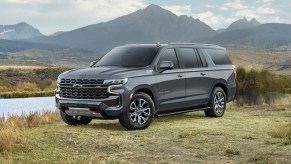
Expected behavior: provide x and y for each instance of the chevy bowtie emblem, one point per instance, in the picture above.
(77, 86)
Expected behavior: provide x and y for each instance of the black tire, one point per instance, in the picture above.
(217, 103)
(74, 120)
(140, 113)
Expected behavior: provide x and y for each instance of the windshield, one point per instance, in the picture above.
(129, 57)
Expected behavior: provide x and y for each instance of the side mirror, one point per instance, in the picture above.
(92, 63)
(166, 65)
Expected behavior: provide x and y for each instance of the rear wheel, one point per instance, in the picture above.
(74, 120)
(217, 103)
(140, 113)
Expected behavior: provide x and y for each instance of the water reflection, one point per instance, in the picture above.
(18, 106)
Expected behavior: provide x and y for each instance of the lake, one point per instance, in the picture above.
(18, 106)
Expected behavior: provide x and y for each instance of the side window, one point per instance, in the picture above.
(190, 58)
(219, 57)
(169, 55)
(202, 57)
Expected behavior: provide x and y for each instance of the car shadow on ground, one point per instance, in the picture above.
(115, 125)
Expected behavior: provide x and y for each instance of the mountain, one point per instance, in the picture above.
(45, 53)
(265, 36)
(18, 31)
(242, 24)
(12, 46)
(149, 25)
(220, 30)
(57, 33)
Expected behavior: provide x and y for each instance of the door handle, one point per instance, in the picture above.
(203, 74)
(180, 75)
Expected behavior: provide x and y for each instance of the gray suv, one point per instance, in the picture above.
(134, 83)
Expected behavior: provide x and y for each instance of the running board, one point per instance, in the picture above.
(181, 112)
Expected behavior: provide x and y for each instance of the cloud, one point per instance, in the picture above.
(264, 1)
(255, 12)
(212, 19)
(56, 15)
(179, 10)
(233, 4)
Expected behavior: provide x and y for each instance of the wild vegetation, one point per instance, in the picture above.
(243, 135)
(261, 81)
(11, 130)
(38, 80)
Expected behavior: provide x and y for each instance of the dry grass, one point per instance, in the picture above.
(283, 131)
(24, 67)
(251, 59)
(10, 137)
(241, 136)
(11, 130)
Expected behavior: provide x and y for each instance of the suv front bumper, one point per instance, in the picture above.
(98, 108)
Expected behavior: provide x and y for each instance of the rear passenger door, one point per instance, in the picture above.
(196, 76)
(170, 83)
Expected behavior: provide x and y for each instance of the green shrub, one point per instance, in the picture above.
(26, 94)
(261, 81)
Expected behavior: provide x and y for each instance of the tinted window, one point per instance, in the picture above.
(169, 55)
(202, 57)
(219, 57)
(189, 57)
(128, 57)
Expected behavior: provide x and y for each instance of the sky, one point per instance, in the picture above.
(50, 16)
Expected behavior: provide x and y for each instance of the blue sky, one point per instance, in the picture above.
(50, 16)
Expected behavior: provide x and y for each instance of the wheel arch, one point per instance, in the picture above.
(222, 84)
(146, 89)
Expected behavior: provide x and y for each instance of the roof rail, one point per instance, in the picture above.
(182, 43)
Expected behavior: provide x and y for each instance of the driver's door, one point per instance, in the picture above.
(170, 84)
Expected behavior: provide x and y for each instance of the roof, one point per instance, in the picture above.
(175, 44)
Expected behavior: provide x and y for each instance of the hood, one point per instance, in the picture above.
(104, 73)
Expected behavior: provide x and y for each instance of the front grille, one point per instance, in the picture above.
(83, 89)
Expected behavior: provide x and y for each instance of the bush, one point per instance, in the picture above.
(263, 81)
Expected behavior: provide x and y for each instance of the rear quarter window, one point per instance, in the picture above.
(219, 57)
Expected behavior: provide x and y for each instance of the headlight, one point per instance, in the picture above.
(59, 80)
(116, 81)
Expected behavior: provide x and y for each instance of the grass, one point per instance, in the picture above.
(243, 135)
(26, 94)
(282, 131)
(11, 135)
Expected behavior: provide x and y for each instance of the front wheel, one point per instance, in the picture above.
(74, 120)
(140, 113)
(217, 103)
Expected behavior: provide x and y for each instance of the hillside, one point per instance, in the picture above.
(18, 31)
(150, 25)
(267, 36)
(46, 53)
(243, 24)
(278, 62)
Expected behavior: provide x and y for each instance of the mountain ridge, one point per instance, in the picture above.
(20, 30)
(148, 25)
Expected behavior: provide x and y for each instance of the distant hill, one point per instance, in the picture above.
(8, 46)
(149, 25)
(240, 24)
(46, 53)
(18, 31)
(266, 36)
(57, 33)
(243, 24)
